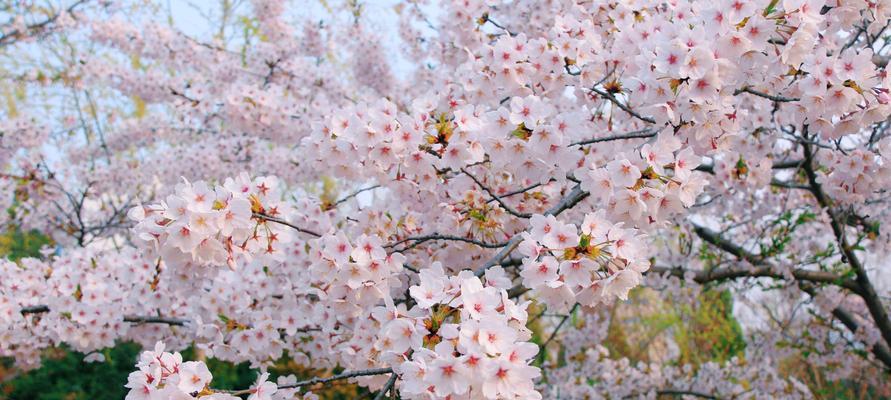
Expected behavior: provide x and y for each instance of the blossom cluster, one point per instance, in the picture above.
(86, 296)
(563, 264)
(851, 178)
(216, 225)
(654, 186)
(464, 339)
(164, 375)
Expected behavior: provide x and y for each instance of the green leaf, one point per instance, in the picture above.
(770, 7)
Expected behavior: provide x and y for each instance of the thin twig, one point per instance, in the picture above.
(614, 100)
(286, 223)
(354, 194)
(42, 308)
(639, 134)
(518, 191)
(314, 381)
(544, 345)
(495, 197)
(426, 238)
(345, 375)
(778, 99)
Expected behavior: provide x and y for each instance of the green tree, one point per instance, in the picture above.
(16, 244)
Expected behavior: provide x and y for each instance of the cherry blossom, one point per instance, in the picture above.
(414, 208)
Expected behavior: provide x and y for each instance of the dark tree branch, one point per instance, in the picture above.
(345, 375)
(518, 191)
(867, 291)
(720, 274)
(156, 320)
(790, 164)
(639, 134)
(316, 381)
(421, 239)
(138, 319)
(860, 286)
(38, 309)
(387, 387)
(35, 309)
(880, 350)
(778, 99)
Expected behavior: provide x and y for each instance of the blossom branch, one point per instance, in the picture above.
(38, 28)
(575, 196)
(495, 197)
(710, 169)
